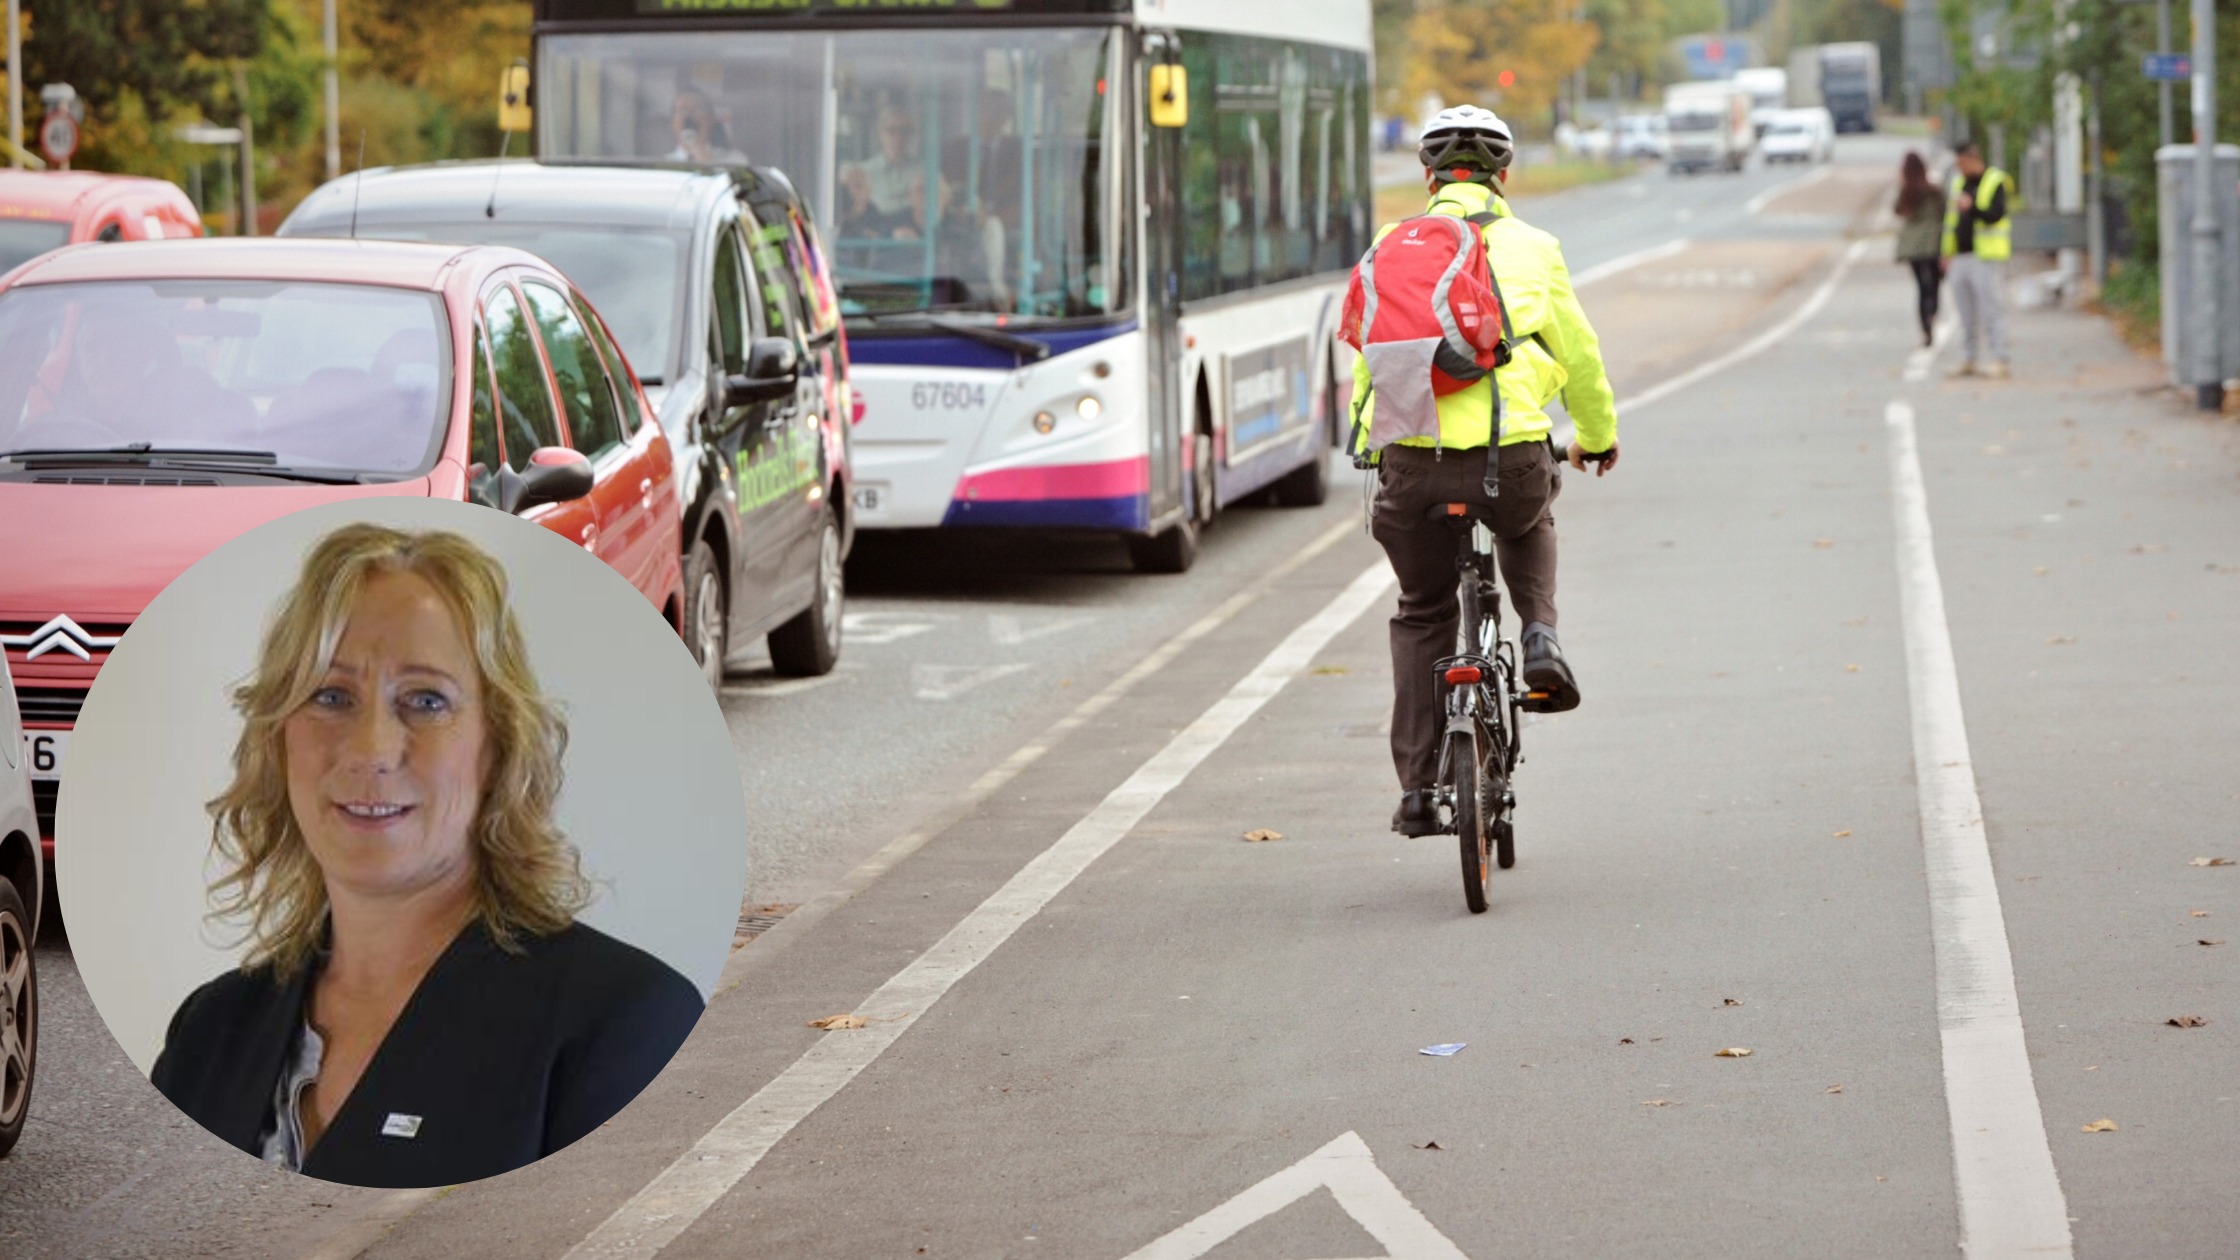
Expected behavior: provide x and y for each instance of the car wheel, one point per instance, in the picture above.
(19, 1016)
(707, 615)
(809, 644)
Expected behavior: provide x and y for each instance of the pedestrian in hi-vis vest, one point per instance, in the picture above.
(1977, 240)
(1456, 415)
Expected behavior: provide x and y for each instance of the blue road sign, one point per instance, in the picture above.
(2166, 67)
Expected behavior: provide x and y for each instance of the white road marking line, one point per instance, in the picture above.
(1757, 344)
(1627, 262)
(867, 872)
(947, 682)
(2010, 1197)
(870, 629)
(669, 1204)
(1355, 1181)
(1764, 199)
(1920, 361)
(1011, 629)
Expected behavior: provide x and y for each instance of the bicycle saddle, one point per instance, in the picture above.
(1459, 513)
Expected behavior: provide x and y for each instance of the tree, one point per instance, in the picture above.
(138, 65)
(1510, 55)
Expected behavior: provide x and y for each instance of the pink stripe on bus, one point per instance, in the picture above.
(1116, 479)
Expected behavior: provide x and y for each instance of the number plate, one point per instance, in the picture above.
(870, 497)
(42, 751)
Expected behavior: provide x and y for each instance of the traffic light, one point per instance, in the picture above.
(1507, 78)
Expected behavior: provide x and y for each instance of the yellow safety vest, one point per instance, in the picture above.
(1994, 241)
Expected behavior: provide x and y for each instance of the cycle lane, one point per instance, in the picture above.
(1195, 1012)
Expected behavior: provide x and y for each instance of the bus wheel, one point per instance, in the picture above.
(1171, 550)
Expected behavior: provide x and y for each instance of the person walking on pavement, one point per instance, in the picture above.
(1920, 211)
(1466, 153)
(1977, 241)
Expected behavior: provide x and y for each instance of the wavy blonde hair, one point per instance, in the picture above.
(528, 877)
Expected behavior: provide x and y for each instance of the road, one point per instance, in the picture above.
(1896, 688)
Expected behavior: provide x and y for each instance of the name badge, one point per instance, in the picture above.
(400, 1125)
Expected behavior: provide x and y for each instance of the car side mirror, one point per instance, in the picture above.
(555, 475)
(773, 369)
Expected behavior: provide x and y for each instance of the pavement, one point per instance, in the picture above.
(1101, 1023)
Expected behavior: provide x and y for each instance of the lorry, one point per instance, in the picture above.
(1851, 84)
(1768, 87)
(1707, 126)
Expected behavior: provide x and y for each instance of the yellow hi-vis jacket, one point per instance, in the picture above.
(1554, 352)
(1994, 241)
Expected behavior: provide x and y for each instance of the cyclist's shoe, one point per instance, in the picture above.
(1418, 814)
(1548, 685)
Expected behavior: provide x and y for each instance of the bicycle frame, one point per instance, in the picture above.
(1484, 709)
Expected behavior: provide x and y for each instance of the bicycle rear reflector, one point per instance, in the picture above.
(1465, 674)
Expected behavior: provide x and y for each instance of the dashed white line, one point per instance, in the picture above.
(1627, 262)
(2011, 1203)
(668, 1205)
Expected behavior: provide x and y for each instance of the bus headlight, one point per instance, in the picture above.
(1089, 408)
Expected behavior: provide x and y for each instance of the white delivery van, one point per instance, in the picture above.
(1768, 87)
(1707, 125)
(1798, 135)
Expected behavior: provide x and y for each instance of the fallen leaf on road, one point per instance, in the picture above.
(1823, 543)
(2100, 1126)
(1625, 1041)
(1259, 834)
(1428, 1146)
(1329, 669)
(1730, 1001)
(1840, 834)
(1658, 1102)
(2094, 1068)
(1881, 1178)
(2198, 914)
(834, 1023)
(2061, 640)
(1850, 669)
(1732, 1052)
(2187, 1021)
(2040, 571)
(1833, 1089)
(2210, 940)
(2211, 862)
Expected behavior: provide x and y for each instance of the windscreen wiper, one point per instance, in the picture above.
(1027, 348)
(182, 459)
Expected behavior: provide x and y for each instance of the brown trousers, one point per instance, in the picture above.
(1410, 482)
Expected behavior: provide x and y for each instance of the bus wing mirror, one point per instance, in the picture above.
(1170, 96)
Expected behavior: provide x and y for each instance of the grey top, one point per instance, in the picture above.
(283, 1142)
(1921, 234)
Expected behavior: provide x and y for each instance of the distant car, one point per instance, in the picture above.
(158, 399)
(1639, 136)
(22, 887)
(714, 280)
(43, 210)
(1798, 135)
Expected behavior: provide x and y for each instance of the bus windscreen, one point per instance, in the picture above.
(948, 172)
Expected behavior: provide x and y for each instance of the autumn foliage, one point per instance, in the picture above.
(1461, 50)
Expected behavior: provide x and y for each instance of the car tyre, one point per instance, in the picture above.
(707, 613)
(19, 1015)
(809, 645)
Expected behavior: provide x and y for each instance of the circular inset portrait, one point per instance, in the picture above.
(401, 842)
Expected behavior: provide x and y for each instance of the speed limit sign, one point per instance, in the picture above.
(58, 137)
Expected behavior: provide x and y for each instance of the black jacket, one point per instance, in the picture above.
(497, 1060)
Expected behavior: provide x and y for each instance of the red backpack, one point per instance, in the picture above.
(1424, 310)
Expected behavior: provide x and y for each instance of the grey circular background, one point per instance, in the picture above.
(652, 798)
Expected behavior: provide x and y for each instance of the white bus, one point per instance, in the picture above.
(1090, 252)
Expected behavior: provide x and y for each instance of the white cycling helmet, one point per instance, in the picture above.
(1463, 140)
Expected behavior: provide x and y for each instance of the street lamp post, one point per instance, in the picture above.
(2208, 369)
(334, 101)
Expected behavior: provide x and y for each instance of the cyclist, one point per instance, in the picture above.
(1466, 152)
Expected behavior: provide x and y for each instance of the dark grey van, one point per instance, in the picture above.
(715, 284)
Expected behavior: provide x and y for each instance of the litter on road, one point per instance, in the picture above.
(1444, 1050)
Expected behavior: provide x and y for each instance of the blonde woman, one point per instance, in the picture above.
(418, 1005)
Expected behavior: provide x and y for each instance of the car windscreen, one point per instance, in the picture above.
(325, 379)
(22, 240)
(632, 276)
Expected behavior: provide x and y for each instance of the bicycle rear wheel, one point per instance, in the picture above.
(1469, 820)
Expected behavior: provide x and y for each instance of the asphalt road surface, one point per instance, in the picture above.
(1907, 725)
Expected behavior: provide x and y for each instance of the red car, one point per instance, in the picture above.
(158, 399)
(43, 210)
